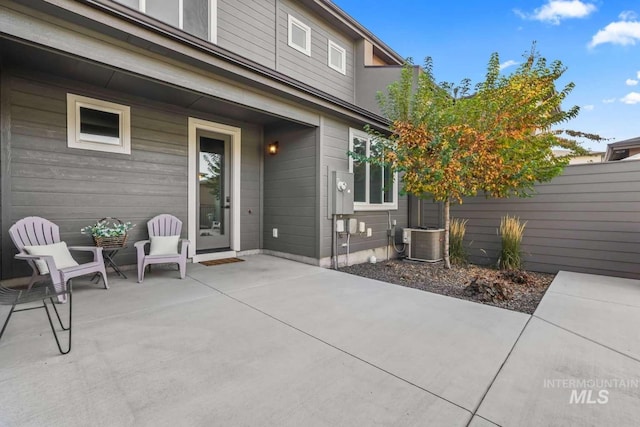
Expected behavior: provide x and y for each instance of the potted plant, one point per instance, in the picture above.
(109, 232)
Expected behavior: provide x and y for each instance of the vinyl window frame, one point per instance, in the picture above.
(291, 21)
(366, 205)
(343, 54)
(213, 17)
(74, 137)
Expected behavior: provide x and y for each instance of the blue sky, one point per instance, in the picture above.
(599, 42)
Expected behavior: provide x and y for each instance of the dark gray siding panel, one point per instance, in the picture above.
(290, 191)
(314, 70)
(250, 188)
(74, 188)
(335, 144)
(248, 28)
(585, 220)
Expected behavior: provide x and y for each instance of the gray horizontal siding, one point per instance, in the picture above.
(314, 70)
(585, 220)
(248, 28)
(335, 144)
(74, 188)
(290, 202)
(250, 187)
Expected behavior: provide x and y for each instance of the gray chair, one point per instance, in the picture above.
(162, 225)
(39, 293)
(36, 231)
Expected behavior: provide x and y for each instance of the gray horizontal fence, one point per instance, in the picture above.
(586, 220)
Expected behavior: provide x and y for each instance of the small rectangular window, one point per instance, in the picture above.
(196, 20)
(375, 187)
(197, 17)
(359, 170)
(337, 57)
(299, 36)
(93, 124)
(165, 10)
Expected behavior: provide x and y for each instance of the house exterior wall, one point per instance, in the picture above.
(290, 202)
(154, 63)
(42, 176)
(248, 28)
(335, 145)
(585, 220)
(314, 69)
(74, 187)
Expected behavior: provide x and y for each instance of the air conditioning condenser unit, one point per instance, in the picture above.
(423, 244)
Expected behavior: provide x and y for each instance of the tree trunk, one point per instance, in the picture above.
(447, 261)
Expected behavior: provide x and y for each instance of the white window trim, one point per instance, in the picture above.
(213, 17)
(366, 206)
(213, 21)
(294, 21)
(343, 53)
(74, 139)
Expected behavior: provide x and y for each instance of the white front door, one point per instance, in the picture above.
(214, 190)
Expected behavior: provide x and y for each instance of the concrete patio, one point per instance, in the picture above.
(273, 342)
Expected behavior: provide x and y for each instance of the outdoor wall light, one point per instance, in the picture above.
(272, 148)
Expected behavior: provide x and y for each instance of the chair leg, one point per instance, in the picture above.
(141, 268)
(182, 265)
(62, 299)
(53, 304)
(103, 272)
(53, 329)
(6, 322)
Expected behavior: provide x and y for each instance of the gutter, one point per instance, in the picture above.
(144, 21)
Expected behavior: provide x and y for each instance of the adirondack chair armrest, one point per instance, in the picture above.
(48, 259)
(97, 251)
(184, 243)
(140, 247)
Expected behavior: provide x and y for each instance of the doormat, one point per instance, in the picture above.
(221, 261)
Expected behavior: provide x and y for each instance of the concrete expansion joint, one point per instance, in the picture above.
(594, 299)
(588, 339)
(335, 347)
(484, 395)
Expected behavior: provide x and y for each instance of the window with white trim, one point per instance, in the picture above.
(196, 17)
(299, 35)
(93, 124)
(337, 57)
(374, 187)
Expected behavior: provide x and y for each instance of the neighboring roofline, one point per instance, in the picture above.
(626, 143)
(621, 145)
(131, 15)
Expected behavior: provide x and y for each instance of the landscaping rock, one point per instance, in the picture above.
(519, 290)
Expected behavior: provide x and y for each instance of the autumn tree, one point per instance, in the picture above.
(449, 141)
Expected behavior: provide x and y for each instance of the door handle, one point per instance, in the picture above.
(227, 207)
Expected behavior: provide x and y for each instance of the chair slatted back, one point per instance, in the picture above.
(164, 225)
(32, 231)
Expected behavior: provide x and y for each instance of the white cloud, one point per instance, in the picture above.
(628, 15)
(555, 11)
(507, 64)
(638, 74)
(588, 107)
(631, 82)
(621, 32)
(609, 100)
(631, 98)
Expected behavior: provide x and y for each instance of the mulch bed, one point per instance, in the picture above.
(519, 291)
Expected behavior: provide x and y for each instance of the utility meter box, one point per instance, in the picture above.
(342, 191)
